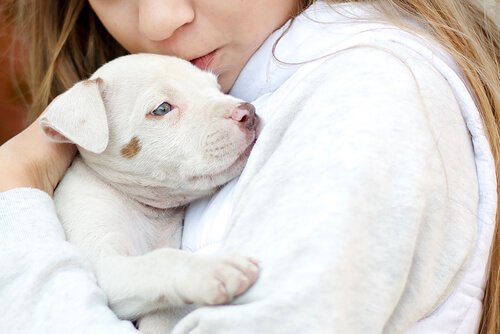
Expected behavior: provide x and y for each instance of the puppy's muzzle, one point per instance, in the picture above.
(245, 115)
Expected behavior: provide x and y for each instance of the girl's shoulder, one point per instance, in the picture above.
(361, 73)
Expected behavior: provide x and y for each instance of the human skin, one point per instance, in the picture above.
(188, 29)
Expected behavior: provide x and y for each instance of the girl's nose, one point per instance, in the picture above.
(159, 19)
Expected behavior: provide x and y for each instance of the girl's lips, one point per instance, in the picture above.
(204, 62)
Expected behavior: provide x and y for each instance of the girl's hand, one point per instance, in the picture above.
(30, 159)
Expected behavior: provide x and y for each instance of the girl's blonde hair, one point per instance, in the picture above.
(66, 43)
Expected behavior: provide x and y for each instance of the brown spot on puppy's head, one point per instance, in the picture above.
(131, 149)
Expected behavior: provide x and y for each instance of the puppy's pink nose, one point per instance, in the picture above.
(244, 114)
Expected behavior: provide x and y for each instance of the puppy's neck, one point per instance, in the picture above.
(150, 196)
(156, 197)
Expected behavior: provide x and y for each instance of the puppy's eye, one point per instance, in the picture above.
(162, 109)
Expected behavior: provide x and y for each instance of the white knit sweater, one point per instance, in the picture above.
(369, 199)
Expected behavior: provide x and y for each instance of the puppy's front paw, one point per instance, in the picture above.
(219, 279)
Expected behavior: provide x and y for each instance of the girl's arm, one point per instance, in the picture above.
(31, 160)
(362, 206)
(46, 286)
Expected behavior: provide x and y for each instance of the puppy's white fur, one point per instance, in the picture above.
(122, 200)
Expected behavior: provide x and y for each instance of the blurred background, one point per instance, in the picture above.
(12, 108)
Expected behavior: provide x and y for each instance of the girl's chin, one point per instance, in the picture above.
(226, 81)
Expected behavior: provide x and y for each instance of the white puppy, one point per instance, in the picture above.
(153, 133)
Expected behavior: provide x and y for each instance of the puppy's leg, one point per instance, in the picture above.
(163, 278)
(110, 233)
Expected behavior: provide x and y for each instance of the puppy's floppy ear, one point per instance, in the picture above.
(78, 116)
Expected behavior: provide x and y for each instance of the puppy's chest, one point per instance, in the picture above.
(154, 228)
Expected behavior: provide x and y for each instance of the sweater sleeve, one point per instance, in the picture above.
(360, 205)
(46, 286)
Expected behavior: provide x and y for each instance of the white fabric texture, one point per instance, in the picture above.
(309, 39)
(46, 286)
(307, 266)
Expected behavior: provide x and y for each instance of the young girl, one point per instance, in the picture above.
(370, 198)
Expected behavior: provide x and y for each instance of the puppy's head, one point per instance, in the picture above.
(155, 121)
